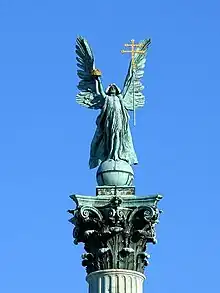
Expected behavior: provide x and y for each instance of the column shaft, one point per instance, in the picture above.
(115, 281)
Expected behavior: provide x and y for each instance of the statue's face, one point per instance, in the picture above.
(112, 90)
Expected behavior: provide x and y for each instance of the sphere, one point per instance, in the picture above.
(115, 173)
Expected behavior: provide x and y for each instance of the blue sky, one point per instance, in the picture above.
(45, 136)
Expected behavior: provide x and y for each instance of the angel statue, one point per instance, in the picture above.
(112, 139)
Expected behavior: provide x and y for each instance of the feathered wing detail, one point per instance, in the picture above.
(132, 95)
(88, 97)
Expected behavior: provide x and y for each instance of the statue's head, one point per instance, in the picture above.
(112, 90)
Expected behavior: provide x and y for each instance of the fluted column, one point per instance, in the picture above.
(115, 281)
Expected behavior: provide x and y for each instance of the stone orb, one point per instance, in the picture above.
(114, 173)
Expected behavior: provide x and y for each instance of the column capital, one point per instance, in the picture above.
(115, 230)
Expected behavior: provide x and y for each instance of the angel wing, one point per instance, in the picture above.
(89, 96)
(132, 95)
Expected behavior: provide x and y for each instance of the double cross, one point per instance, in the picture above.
(133, 51)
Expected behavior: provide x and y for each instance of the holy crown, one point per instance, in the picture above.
(96, 72)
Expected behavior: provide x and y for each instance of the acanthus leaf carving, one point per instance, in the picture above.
(115, 235)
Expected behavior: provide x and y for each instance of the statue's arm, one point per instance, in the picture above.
(99, 87)
(128, 82)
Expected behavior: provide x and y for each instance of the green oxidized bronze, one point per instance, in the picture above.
(115, 226)
(112, 145)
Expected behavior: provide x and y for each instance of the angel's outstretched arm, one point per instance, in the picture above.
(128, 81)
(99, 87)
(132, 91)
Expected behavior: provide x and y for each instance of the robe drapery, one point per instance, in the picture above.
(112, 139)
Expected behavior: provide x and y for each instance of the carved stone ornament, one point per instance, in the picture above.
(115, 230)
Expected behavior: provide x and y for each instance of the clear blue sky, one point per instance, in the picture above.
(45, 136)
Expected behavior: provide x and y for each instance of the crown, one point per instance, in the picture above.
(96, 72)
